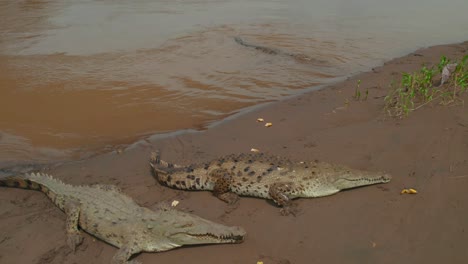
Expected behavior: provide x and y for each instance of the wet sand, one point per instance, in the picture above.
(426, 151)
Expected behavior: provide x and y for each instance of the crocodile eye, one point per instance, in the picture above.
(184, 225)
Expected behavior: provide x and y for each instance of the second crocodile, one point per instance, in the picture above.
(264, 176)
(274, 51)
(105, 212)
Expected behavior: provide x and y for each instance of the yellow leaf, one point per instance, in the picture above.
(268, 124)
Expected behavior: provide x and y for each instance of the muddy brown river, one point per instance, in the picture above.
(81, 77)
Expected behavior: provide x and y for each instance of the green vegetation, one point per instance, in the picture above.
(417, 89)
(357, 92)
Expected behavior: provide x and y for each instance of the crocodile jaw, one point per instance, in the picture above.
(217, 234)
(355, 179)
(170, 228)
(235, 235)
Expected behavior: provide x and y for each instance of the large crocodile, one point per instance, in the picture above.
(264, 176)
(273, 51)
(105, 212)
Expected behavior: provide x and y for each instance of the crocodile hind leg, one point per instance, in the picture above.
(74, 238)
(222, 187)
(278, 192)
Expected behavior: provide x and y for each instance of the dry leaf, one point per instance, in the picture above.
(268, 124)
(259, 262)
(254, 150)
(260, 119)
(410, 191)
(447, 71)
(174, 203)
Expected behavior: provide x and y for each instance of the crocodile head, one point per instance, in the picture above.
(174, 228)
(355, 178)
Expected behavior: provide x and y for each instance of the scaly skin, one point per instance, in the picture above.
(105, 212)
(263, 176)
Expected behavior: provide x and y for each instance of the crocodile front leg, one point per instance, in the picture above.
(279, 193)
(74, 238)
(125, 252)
(222, 187)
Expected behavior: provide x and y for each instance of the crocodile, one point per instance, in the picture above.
(106, 213)
(273, 51)
(264, 49)
(263, 176)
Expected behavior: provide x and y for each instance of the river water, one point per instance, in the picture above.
(78, 77)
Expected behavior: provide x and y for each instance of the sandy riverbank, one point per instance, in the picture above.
(375, 224)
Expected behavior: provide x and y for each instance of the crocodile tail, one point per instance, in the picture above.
(35, 181)
(161, 166)
(162, 170)
(22, 182)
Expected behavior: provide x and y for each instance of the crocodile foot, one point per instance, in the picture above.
(74, 240)
(230, 198)
(289, 210)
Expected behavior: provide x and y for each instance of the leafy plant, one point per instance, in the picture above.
(357, 91)
(417, 89)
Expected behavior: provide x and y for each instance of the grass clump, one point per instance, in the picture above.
(357, 92)
(419, 88)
